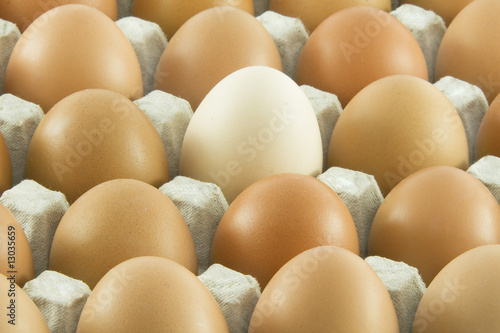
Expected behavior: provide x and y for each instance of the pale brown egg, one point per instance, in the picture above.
(277, 218)
(469, 50)
(68, 49)
(16, 257)
(313, 12)
(210, 46)
(325, 289)
(23, 13)
(396, 126)
(20, 314)
(447, 9)
(170, 15)
(93, 136)
(116, 221)
(465, 296)
(488, 136)
(151, 294)
(355, 47)
(433, 216)
(5, 166)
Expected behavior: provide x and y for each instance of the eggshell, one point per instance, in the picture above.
(254, 123)
(93, 136)
(210, 46)
(23, 13)
(396, 126)
(433, 216)
(488, 136)
(469, 50)
(170, 15)
(15, 252)
(20, 314)
(5, 166)
(282, 215)
(325, 289)
(447, 9)
(356, 46)
(151, 294)
(68, 49)
(116, 221)
(313, 12)
(464, 296)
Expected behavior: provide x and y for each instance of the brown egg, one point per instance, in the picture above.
(313, 12)
(20, 314)
(488, 137)
(447, 9)
(23, 13)
(433, 216)
(465, 296)
(151, 294)
(68, 49)
(5, 166)
(170, 15)
(325, 289)
(353, 48)
(277, 218)
(396, 126)
(474, 35)
(116, 221)
(16, 257)
(93, 136)
(210, 46)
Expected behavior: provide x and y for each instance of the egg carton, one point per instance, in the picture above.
(39, 210)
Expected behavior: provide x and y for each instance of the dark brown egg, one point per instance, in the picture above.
(488, 137)
(5, 166)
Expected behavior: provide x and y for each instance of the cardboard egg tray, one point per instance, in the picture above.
(39, 210)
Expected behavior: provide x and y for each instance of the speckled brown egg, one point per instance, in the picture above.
(15, 252)
(447, 9)
(210, 46)
(325, 289)
(469, 50)
(396, 126)
(93, 136)
(170, 15)
(433, 216)
(356, 46)
(277, 218)
(151, 294)
(313, 12)
(23, 13)
(5, 166)
(68, 49)
(116, 221)
(488, 136)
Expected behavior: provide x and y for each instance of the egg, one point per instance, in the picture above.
(255, 123)
(488, 136)
(325, 289)
(16, 257)
(474, 34)
(151, 294)
(433, 216)
(313, 12)
(23, 13)
(68, 49)
(20, 314)
(93, 136)
(356, 46)
(464, 296)
(115, 221)
(396, 126)
(282, 215)
(172, 14)
(210, 46)
(447, 9)
(5, 166)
